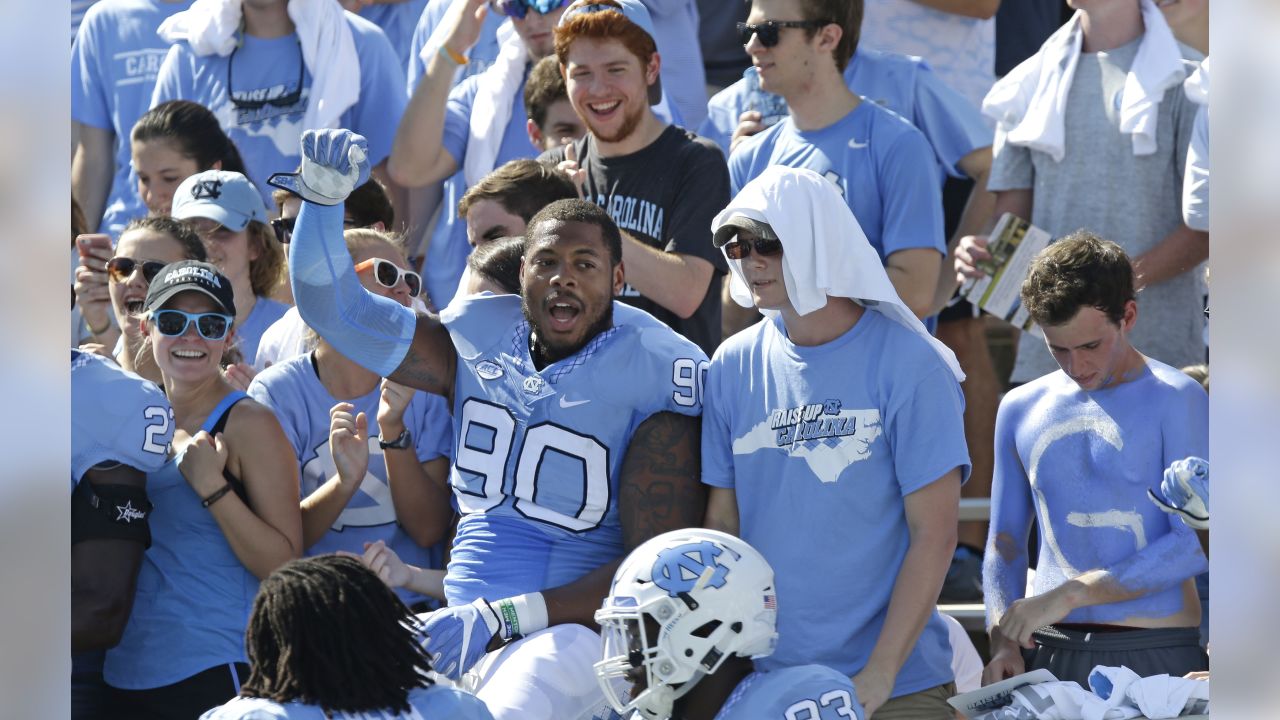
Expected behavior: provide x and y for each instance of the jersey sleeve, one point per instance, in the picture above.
(806, 692)
(1011, 167)
(717, 435)
(703, 192)
(377, 113)
(672, 363)
(89, 103)
(953, 126)
(117, 417)
(912, 199)
(478, 322)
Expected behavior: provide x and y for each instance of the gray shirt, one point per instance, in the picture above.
(1101, 186)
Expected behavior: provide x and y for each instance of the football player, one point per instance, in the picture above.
(687, 612)
(576, 431)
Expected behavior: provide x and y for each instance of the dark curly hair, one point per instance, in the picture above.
(1080, 270)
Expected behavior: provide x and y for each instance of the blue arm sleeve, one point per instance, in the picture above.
(372, 330)
(1004, 568)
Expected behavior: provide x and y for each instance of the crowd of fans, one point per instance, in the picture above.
(792, 191)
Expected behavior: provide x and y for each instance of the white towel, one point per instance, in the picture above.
(493, 105)
(328, 49)
(1109, 699)
(1030, 102)
(825, 251)
(1197, 86)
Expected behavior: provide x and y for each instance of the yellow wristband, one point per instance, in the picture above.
(458, 58)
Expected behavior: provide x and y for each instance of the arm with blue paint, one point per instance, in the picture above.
(1004, 568)
(376, 332)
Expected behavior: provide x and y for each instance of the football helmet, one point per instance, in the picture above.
(679, 605)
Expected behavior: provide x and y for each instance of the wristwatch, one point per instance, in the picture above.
(400, 443)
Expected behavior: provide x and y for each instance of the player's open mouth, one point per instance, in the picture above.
(564, 314)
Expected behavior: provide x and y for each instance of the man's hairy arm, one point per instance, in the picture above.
(431, 363)
(658, 491)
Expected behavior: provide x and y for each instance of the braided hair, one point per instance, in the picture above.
(326, 631)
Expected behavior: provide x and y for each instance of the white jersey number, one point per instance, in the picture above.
(485, 442)
(160, 419)
(689, 377)
(809, 710)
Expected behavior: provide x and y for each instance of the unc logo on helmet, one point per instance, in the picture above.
(678, 569)
(207, 189)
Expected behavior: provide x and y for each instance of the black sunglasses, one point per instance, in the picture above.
(738, 249)
(119, 268)
(767, 31)
(283, 228)
(283, 101)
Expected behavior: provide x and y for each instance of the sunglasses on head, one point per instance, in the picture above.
(210, 325)
(519, 8)
(388, 275)
(120, 268)
(767, 32)
(738, 248)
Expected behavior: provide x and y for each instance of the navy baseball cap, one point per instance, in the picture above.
(190, 275)
(632, 10)
(221, 195)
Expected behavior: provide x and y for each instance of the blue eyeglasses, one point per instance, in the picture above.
(518, 8)
(211, 326)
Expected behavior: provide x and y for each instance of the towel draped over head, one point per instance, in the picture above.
(825, 253)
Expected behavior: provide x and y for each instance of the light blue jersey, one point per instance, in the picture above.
(397, 21)
(1080, 463)
(293, 391)
(115, 59)
(448, 251)
(901, 83)
(268, 137)
(822, 444)
(427, 703)
(806, 692)
(539, 453)
(481, 56)
(116, 416)
(265, 312)
(882, 164)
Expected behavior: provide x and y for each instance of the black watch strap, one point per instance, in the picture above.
(400, 443)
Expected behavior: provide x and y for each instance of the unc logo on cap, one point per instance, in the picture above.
(207, 190)
(678, 569)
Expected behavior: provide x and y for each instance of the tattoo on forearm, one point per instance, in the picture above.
(660, 488)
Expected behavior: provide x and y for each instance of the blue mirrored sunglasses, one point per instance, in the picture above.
(211, 326)
(517, 8)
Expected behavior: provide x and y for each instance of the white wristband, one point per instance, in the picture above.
(522, 614)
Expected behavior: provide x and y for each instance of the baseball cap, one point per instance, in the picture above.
(221, 195)
(632, 10)
(190, 275)
(730, 228)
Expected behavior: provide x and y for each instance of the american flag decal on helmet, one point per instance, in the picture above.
(770, 602)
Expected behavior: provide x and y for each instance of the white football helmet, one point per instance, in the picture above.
(680, 604)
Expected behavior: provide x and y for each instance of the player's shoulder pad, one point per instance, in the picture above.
(666, 369)
(110, 394)
(478, 323)
(441, 702)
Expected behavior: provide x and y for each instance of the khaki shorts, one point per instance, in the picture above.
(928, 704)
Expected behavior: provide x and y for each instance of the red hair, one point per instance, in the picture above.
(605, 25)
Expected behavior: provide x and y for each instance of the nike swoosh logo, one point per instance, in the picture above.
(566, 403)
(856, 145)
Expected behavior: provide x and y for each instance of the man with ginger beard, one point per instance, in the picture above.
(660, 183)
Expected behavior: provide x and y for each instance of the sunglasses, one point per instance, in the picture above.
(120, 268)
(284, 101)
(519, 8)
(738, 249)
(211, 326)
(283, 227)
(388, 275)
(767, 32)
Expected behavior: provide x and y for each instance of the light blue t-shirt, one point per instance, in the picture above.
(265, 312)
(115, 59)
(426, 703)
(447, 254)
(481, 56)
(268, 137)
(901, 83)
(193, 596)
(821, 445)
(293, 391)
(397, 21)
(883, 166)
(116, 416)
(539, 453)
(806, 692)
(1079, 463)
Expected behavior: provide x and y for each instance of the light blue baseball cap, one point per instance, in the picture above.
(632, 10)
(221, 195)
